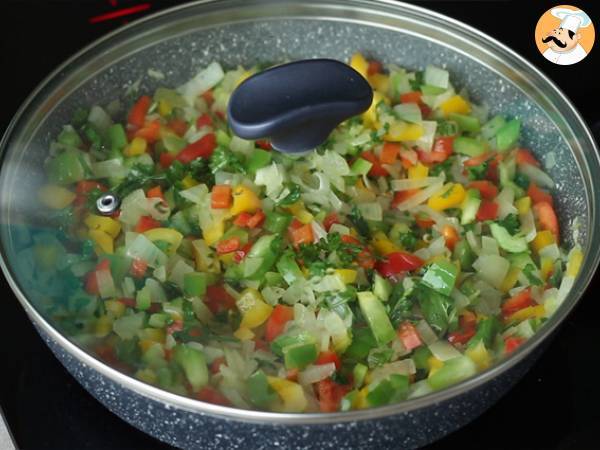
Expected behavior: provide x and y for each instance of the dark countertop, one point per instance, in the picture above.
(554, 406)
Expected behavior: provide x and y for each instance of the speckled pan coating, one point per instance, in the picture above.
(245, 32)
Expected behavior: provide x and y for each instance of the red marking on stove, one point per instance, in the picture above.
(120, 13)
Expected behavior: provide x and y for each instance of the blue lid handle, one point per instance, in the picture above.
(297, 105)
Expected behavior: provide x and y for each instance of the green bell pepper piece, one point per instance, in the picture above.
(382, 288)
(257, 159)
(193, 364)
(298, 356)
(470, 206)
(260, 393)
(277, 222)
(194, 284)
(261, 257)
(466, 123)
(464, 254)
(160, 320)
(362, 343)
(468, 146)
(491, 127)
(487, 330)
(69, 137)
(289, 339)
(223, 139)
(421, 356)
(143, 299)
(376, 317)
(441, 276)
(273, 279)
(358, 374)
(512, 244)
(117, 137)
(453, 371)
(288, 268)
(361, 167)
(348, 400)
(65, 168)
(388, 390)
(508, 135)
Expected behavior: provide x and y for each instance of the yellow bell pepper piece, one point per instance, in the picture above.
(244, 334)
(243, 77)
(434, 364)
(360, 64)
(290, 393)
(188, 182)
(574, 262)
(55, 197)
(403, 131)
(348, 276)
(147, 376)
(253, 308)
(244, 200)
(369, 117)
(480, 356)
(523, 205)
(450, 195)
(173, 237)
(136, 147)
(418, 172)
(510, 280)
(530, 312)
(214, 232)
(114, 308)
(164, 108)
(380, 82)
(104, 242)
(546, 268)
(109, 225)
(300, 212)
(156, 335)
(542, 239)
(383, 244)
(455, 104)
(227, 258)
(103, 326)
(360, 401)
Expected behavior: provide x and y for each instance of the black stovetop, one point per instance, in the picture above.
(554, 406)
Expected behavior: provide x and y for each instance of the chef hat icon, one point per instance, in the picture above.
(571, 19)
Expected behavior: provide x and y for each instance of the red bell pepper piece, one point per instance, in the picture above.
(389, 153)
(228, 245)
(203, 121)
(524, 156)
(301, 235)
(512, 343)
(256, 220)
(166, 159)
(487, 189)
(488, 210)
(377, 170)
(220, 196)
(217, 298)
(264, 144)
(137, 114)
(146, 223)
(155, 192)
(517, 302)
(211, 395)
(202, 148)
(329, 220)
(411, 97)
(276, 323)
(178, 126)
(241, 253)
(150, 131)
(329, 357)
(242, 219)
(138, 268)
(546, 216)
(330, 395)
(402, 196)
(374, 67)
(397, 262)
(538, 195)
(409, 336)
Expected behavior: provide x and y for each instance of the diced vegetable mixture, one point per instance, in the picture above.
(416, 247)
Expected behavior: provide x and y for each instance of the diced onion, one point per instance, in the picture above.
(413, 183)
(178, 272)
(402, 367)
(144, 249)
(126, 327)
(419, 389)
(195, 194)
(315, 373)
(505, 200)
(434, 76)
(426, 334)
(538, 176)
(339, 228)
(99, 118)
(528, 225)
(492, 268)
(409, 112)
(551, 252)
(420, 197)
(111, 168)
(272, 178)
(371, 211)
(565, 287)
(489, 246)
(318, 231)
(473, 243)
(443, 350)
(202, 82)
(106, 284)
